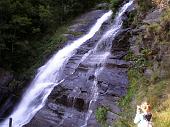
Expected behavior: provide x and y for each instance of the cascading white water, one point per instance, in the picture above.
(47, 78)
(95, 89)
(110, 34)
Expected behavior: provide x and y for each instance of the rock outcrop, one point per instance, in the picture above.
(68, 104)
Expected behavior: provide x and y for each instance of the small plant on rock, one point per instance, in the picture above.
(101, 115)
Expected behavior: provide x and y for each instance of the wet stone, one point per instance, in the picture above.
(70, 101)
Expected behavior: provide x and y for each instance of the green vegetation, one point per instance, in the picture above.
(162, 115)
(101, 115)
(47, 47)
(154, 88)
(115, 4)
(31, 30)
(132, 16)
(138, 83)
(160, 31)
(139, 61)
(24, 22)
(144, 5)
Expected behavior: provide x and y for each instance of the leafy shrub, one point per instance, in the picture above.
(144, 5)
(101, 114)
(115, 4)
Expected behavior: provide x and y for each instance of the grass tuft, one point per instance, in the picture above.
(101, 115)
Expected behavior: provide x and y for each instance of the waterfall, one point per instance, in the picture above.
(49, 75)
(107, 38)
(47, 78)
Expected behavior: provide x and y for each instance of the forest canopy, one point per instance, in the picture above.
(24, 20)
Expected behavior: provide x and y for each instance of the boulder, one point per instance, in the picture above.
(153, 17)
(111, 117)
(148, 73)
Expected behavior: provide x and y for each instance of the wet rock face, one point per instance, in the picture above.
(68, 104)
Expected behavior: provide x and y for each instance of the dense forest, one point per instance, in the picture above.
(24, 21)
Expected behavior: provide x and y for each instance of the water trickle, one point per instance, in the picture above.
(105, 40)
(47, 78)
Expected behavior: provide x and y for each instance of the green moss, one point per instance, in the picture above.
(115, 5)
(139, 61)
(101, 115)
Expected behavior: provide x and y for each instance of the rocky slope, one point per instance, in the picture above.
(68, 104)
(149, 75)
